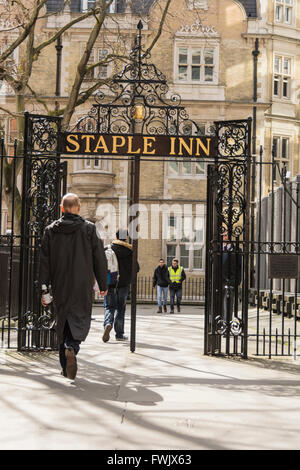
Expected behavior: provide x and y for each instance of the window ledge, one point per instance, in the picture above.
(187, 177)
(198, 91)
(92, 171)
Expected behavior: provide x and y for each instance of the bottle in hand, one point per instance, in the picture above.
(46, 296)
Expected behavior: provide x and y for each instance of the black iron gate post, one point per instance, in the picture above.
(248, 240)
(137, 119)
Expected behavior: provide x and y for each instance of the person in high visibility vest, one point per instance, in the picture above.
(176, 276)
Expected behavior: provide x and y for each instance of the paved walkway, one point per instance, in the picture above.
(166, 395)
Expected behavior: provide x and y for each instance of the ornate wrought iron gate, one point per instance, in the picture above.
(44, 183)
(252, 289)
(33, 204)
(227, 241)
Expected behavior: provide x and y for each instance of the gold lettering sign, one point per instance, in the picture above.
(127, 145)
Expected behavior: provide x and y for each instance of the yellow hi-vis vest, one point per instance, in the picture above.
(175, 276)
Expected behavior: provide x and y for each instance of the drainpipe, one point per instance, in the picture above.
(58, 48)
(255, 54)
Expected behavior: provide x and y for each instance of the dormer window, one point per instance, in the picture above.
(117, 6)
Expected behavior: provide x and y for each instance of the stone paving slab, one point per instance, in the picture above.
(166, 395)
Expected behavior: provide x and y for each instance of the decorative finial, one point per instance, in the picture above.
(140, 25)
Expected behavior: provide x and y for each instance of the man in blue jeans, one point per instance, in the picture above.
(176, 276)
(118, 291)
(161, 280)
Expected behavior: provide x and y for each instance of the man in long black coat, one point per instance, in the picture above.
(72, 256)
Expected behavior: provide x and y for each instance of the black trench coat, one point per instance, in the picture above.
(72, 256)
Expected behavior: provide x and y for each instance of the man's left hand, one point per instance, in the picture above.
(103, 293)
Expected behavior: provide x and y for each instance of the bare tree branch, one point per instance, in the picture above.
(38, 99)
(7, 111)
(21, 38)
(160, 28)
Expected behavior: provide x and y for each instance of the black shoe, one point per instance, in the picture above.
(122, 338)
(159, 310)
(71, 366)
(178, 308)
(165, 308)
(107, 330)
(172, 310)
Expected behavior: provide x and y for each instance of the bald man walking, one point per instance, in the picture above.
(72, 256)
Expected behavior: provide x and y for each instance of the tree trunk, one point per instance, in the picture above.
(10, 188)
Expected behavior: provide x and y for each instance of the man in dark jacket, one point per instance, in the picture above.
(161, 280)
(72, 255)
(119, 290)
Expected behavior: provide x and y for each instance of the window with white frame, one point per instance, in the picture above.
(186, 168)
(282, 151)
(185, 241)
(101, 71)
(197, 64)
(284, 11)
(196, 168)
(117, 6)
(87, 4)
(282, 77)
(197, 5)
(85, 162)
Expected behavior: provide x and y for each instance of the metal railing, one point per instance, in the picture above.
(193, 290)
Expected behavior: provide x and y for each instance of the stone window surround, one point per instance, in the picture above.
(95, 57)
(84, 5)
(197, 43)
(95, 164)
(278, 158)
(193, 175)
(281, 74)
(181, 175)
(197, 4)
(178, 243)
(283, 4)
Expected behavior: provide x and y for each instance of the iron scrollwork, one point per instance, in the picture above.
(233, 139)
(229, 179)
(43, 193)
(143, 83)
(33, 321)
(223, 328)
(43, 135)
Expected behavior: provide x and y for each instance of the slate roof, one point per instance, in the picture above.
(142, 6)
(250, 7)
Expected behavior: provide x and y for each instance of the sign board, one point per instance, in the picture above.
(284, 266)
(77, 143)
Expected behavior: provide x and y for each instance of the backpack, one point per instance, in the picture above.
(112, 266)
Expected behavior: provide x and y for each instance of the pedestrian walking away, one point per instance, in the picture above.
(118, 288)
(176, 277)
(161, 280)
(72, 256)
